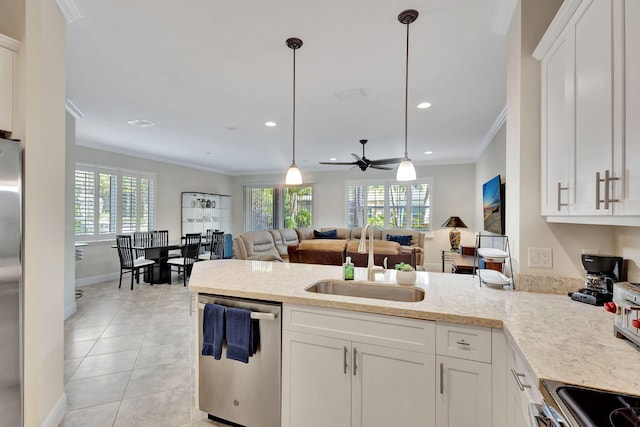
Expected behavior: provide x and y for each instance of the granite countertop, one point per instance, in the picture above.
(561, 339)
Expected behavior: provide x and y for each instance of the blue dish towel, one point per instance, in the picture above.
(213, 330)
(240, 337)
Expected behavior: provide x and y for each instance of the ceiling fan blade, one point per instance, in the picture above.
(373, 166)
(338, 163)
(355, 156)
(386, 161)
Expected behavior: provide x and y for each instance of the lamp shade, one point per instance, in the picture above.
(406, 171)
(454, 221)
(294, 177)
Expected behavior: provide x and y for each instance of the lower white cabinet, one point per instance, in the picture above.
(358, 376)
(522, 389)
(6, 88)
(463, 393)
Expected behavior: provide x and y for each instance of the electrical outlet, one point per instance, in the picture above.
(540, 257)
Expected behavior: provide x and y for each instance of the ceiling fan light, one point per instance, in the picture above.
(294, 177)
(406, 170)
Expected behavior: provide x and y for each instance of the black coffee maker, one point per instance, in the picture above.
(602, 272)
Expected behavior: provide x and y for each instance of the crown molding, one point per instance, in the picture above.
(558, 24)
(503, 16)
(73, 109)
(9, 43)
(70, 9)
(493, 130)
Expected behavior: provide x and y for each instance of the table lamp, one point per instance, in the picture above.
(454, 235)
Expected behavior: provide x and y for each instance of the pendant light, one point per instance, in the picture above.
(294, 177)
(406, 171)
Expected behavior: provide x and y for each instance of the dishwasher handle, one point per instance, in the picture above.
(256, 315)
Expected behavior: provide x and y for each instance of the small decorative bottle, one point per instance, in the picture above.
(348, 269)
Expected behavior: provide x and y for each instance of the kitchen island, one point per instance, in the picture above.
(561, 339)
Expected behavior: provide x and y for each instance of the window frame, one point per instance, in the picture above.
(119, 173)
(278, 203)
(408, 215)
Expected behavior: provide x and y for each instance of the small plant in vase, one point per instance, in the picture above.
(405, 274)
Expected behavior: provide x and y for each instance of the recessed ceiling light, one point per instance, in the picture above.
(270, 124)
(423, 105)
(141, 123)
(332, 159)
(428, 152)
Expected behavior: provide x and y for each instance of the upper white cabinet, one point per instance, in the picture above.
(589, 97)
(8, 47)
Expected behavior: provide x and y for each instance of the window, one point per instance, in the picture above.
(110, 201)
(268, 207)
(389, 204)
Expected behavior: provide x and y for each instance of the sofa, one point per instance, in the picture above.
(329, 245)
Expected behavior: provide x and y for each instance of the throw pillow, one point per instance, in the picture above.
(403, 240)
(331, 234)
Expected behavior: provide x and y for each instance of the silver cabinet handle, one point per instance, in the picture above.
(441, 378)
(517, 376)
(598, 181)
(560, 189)
(607, 188)
(345, 359)
(462, 342)
(355, 363)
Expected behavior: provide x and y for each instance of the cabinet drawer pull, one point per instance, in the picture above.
(355, 363)
(462, 342)
(517, 376)
(560, 189)
(441, 378)
(345, 359)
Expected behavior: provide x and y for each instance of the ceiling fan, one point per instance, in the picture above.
(363, 163)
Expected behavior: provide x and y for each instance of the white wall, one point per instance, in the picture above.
(39, 121)
(101, 261)
(492, 162)
(453, 195)
(627, 245)
(69, 223)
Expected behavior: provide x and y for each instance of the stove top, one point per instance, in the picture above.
(590, 407)
(591, 296)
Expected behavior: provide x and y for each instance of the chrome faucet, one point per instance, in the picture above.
(372, 269)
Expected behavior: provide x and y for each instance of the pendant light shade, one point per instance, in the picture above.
(406, 170)
(294, 177)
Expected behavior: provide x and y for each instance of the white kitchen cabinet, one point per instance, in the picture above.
(463, 395)
(344, 368)
(203, 211)
(464, 375)
(589, 101)
(521, 389)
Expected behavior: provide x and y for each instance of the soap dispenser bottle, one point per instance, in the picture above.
(348, 269)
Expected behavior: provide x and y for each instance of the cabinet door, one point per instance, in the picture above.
(463, 393)
(594, 102)
(630, 199)
(316, 381)
(558, 118)
(6, 89)
(392, 387)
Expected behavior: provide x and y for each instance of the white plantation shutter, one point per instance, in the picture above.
(84, 202)
(110, 201)
(389, 204)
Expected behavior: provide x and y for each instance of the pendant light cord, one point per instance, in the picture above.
(294, 107)
(406, 94)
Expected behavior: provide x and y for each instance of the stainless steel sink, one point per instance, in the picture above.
(373, 290)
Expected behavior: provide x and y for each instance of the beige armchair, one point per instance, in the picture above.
(256, 245)
(283, 238)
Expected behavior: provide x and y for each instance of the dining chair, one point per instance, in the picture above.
(128, 263)
(190, 253)
(216, 246)
(161, 238)
(142, 239)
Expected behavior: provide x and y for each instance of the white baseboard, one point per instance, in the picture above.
(69, 310)
(97, 279)
(57, 413)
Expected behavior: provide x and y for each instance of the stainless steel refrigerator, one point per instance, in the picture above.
(10, 284)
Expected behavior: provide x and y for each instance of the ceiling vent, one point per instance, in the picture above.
(351, 94)
(141, 123)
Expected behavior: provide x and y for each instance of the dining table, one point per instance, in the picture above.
(160, 254)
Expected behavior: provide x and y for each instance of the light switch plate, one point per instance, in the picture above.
(540, 257)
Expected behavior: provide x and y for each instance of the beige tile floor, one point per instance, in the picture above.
(129, 358)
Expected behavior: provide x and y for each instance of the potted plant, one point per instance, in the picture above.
(405, 274)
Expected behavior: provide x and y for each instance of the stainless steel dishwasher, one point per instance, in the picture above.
(243, 394)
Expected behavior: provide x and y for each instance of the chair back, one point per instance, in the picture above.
(142, 238)
(192, 247)
(161, 237)
(217, 245)
(125, 250)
